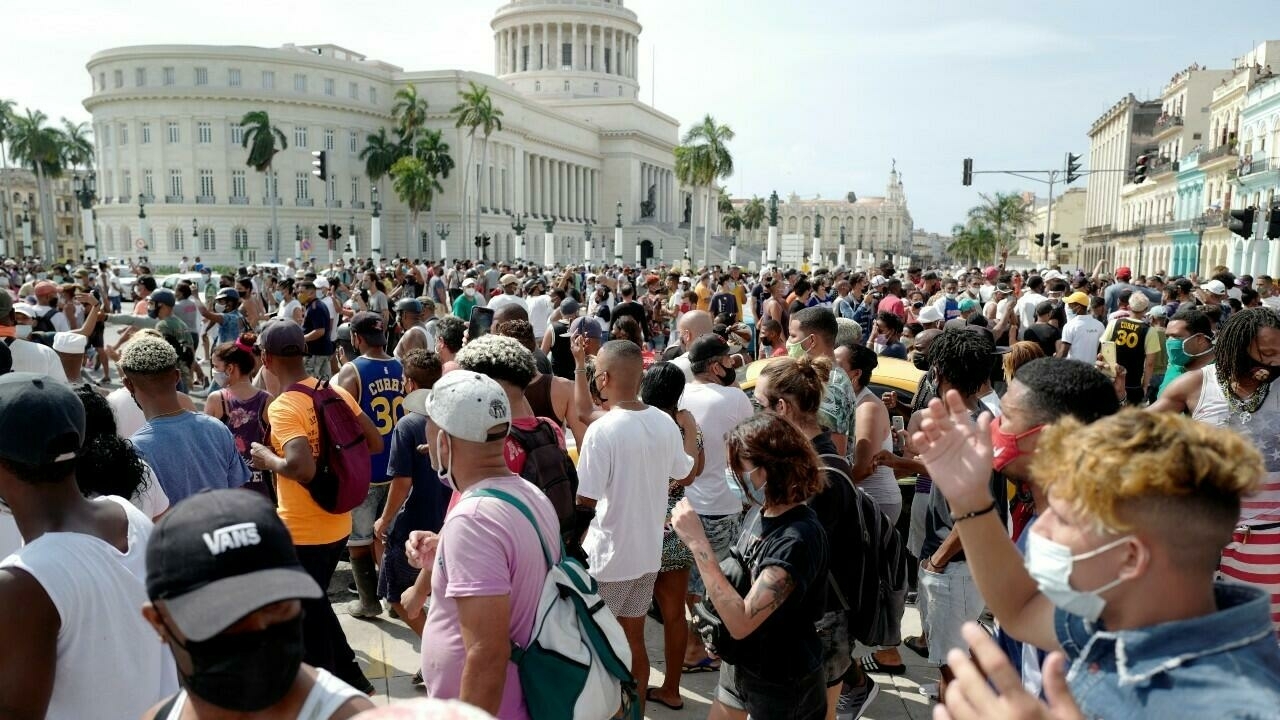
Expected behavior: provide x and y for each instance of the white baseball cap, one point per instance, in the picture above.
(70, 343)
(929, 314)
(1214, 287)
(467, 405)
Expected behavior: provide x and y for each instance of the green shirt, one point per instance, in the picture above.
(462, 306)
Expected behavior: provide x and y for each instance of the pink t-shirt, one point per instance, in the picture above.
(893, 304)
(487, 547)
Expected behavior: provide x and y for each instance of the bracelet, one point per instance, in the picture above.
(581, 371)
(974, 514)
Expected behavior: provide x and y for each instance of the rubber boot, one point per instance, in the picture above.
(366, 577)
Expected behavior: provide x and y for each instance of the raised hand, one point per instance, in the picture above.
(957, 452)
(971, 696)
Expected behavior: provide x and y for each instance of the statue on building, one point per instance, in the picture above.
(773, 209)
(688, 209)
(648, 207)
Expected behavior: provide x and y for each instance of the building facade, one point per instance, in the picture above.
(1116, 139)
(1067, 220)
(22, 200)
(576, 146)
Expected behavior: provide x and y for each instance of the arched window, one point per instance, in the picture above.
(240, 238)
(791, 225)
(208, 241)
(806, 225)
(177, 239)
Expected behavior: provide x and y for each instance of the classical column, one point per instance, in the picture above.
(573, 54)
(542, 185)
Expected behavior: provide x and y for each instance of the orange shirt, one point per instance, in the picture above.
(292, 415)
(704, 297)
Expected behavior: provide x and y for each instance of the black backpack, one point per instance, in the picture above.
(44, 323)
(868, 574)
(549, 467)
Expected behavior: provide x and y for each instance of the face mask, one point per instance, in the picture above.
(153, 311)
(921, 361)
(470, 292)
(1005, 446)
(442, 471)
(221, 378)
(220, 307)
(246, 672)
(729, 376)
(951, 296)
(1049, 563)
(796, 349)
(279, 296)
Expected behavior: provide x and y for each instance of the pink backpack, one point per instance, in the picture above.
(342, 474)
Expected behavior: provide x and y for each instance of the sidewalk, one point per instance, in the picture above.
(388, 653)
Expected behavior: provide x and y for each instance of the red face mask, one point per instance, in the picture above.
(1005, 446)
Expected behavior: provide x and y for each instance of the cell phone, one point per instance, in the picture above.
(1108, 353)
(481, 322)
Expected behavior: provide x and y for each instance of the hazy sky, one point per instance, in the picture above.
(823, 94)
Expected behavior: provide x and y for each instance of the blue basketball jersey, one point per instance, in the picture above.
(382, 399)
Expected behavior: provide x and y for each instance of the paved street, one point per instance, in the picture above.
(388, 653)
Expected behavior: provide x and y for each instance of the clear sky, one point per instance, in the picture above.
(823, 94)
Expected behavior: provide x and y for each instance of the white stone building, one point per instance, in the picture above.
(575, 142)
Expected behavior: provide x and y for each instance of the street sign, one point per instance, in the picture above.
(140, 244)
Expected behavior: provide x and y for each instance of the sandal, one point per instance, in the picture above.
(703, 665)
(871, 665)
(917, 645)
(650, 697)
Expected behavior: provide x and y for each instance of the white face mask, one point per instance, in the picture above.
(22, 331)
(1049, 563)
(442, 471)
(470, 292)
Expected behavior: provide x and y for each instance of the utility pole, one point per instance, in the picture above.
(1048, 219)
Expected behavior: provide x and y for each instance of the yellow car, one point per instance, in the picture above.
(893, 374)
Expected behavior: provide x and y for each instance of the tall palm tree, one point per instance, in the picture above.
(410, 113)
(1003, 213)
(434, 152)
(475, 110)
(687, 172)
(714, 163)
(6, 128)
(415, 185)
(39, 147)
(972, 242)
(753, 215)
(263, 141)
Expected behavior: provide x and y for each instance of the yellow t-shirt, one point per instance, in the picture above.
(740, 293)
(704, 297)
(292, 415)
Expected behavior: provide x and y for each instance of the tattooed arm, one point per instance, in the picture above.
(741, 615)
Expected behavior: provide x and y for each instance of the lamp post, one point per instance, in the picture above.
(589, 246)
(26, 228)
(442, 230)
(353, 245)
(519, 227)
(375, 225)
(840, 249)
(297, 242)
(1198, 225)
(143, 225)
(617, 237)
(84, 191)
(1142, 243)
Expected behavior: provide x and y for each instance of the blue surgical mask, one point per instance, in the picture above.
(279, 296)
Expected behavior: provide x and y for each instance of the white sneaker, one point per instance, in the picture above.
(929, 690)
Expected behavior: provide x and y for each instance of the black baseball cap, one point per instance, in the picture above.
(41, 419)
(282, 338)
(220, 555)
(370, 327)
(707, 347)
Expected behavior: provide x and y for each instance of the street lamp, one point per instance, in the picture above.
(1198, 225)
(586, 229)
(195, 229)
(377, 206)
(442, 231)
(26, 228)
(518, 226)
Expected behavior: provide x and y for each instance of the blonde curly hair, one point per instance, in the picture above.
(1161, 472)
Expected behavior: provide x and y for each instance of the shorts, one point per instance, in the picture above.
(629, 598)
(919, 513)
(722, 533)
(396, 575)
(802, 699)
(115, 303)
(318, 366)
(952, 599)
(837, 647)
(362, 517)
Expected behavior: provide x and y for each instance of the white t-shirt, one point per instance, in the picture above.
(287, 309)
(1026, 308)
(625, 461)
(1084, 333)
(332, 307)
(504, 300)
(539, 313)
(110, 662)
(718, 410)
(36, 358)
(129, 417)
(10, 538)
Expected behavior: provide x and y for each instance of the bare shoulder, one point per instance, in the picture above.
(351, 708)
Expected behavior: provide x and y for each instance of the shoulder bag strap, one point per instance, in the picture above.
(524, 510)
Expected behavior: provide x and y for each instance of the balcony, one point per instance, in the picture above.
(205, 199)
(1166, 123)
(122, 200)
(148, 198)
(1208, 156)
(278, 201)
(173, 199)
(335, 204)
(357, 204)
(1250, 165)
(305, 202)
(238, 200)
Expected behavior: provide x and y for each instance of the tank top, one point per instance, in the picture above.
(1262, 427)
(326, 696)
(247, 421)
(881, 485)
(110, 663)
(538, 393)
(381, 398)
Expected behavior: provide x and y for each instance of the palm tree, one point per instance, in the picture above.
(264, 140)
(972, 242)
(410, 113)
(1003, 213)
(6, 128)
(687, 172)
(434, 152)
(713, 163)
(753, 214)
(77, 151)
(476, 111)
(415, 185)
(39, 147)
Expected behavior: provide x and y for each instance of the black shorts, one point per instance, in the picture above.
(397, 574)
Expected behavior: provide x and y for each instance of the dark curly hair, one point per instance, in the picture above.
(962, 358)
(108, 464)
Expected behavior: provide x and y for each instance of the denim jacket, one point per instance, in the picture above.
(1223, 665)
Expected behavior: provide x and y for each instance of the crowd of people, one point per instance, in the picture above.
(1086, 481)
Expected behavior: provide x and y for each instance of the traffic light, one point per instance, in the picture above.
(1273, 222)
(1140, 170)
(1040, 239)
(1053, 239)
(324, 231)
(1073, 168)
(336, 233)
(1241, 222)
(968, 171)
(320, 164)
